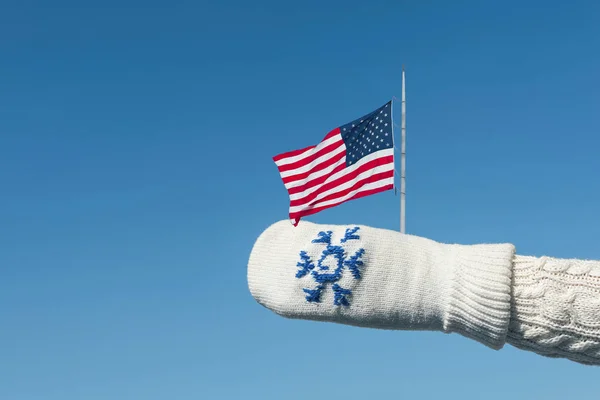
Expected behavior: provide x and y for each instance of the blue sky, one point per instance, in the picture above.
(135, 174)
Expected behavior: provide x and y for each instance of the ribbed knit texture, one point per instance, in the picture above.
(479, 305)
(556, 308)
(377, 278)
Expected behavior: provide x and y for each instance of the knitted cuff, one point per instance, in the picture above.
(479, 304)
(377, 278)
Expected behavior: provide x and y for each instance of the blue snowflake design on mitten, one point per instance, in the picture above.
(321, 273)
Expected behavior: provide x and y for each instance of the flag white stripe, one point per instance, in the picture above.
(309, 152)
(380, 168)
(368, 186)
(325, 171)
(314, 163)
(315, 175)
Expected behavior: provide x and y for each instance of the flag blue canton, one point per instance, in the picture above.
(368, 134)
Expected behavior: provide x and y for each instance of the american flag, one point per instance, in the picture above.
(352, 161)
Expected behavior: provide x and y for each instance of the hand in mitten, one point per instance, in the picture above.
(369, 277)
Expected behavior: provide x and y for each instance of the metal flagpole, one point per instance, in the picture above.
(403, 161)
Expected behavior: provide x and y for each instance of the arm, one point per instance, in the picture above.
(377, 278)
(555, 308)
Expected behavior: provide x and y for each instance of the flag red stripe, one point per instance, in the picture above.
(370, 179)
(343, 179)
(315, 210)
(316, 181)
(296, 152)
(331, 134)
(318, 167)
(311, 158)
(292, 153)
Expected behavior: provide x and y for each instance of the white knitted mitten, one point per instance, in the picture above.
(377, 278)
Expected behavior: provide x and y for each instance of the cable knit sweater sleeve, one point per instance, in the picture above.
(555, 308)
